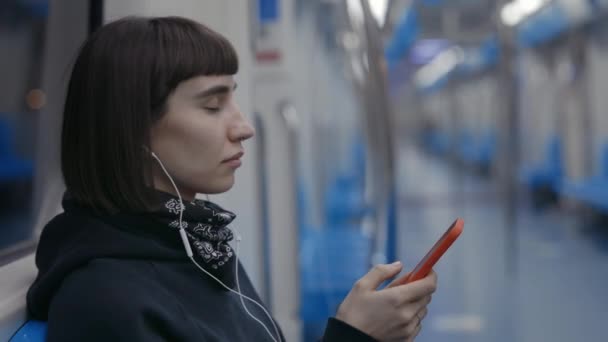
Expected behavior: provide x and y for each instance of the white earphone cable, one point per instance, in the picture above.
(238, 287)
(188, 249)
(241, 296)
(182, 232)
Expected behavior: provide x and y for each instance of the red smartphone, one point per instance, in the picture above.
(425, 265)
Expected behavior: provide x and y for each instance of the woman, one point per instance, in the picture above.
(149, 122)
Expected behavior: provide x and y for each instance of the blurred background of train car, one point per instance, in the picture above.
(379, 122)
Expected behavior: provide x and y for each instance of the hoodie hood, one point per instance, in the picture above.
(78, 235)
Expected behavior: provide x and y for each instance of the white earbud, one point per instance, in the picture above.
(182, 233)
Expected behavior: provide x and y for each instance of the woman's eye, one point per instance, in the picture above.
(212, 109)
(213, 105)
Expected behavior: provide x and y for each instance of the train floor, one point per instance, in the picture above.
(541, 277)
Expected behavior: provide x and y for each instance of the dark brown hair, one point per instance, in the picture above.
(118, 89)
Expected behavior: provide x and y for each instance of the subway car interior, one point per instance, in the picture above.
(378, 122)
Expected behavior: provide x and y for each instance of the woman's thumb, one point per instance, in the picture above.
(378, 274)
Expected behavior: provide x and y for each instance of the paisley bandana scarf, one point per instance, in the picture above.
(206, 225)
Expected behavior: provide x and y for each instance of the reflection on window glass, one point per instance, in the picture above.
(22, 34)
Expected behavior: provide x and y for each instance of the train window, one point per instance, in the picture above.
(22, 38)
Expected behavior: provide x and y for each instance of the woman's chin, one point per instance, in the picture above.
(218, 186)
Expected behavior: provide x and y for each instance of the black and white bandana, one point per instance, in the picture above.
(206, 225)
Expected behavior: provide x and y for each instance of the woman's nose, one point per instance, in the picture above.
(241, 129)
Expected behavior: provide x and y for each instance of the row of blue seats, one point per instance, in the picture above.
(14, 168)
(547, 175)
(331, 261)
(470, 149)
(550, 174)
(335, 255)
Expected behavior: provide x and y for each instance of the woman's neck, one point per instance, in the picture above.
(166, 186)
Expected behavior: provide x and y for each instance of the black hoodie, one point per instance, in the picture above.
(126, 277)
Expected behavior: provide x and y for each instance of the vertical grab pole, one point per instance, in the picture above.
(377, 97)
(508, 138)
(263, 203)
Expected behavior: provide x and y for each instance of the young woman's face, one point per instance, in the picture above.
(199, 138)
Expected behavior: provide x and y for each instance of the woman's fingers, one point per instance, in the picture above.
(422, 313)
(399, 281)
(378, 275)
(413, 328)
(423, 303)
(415, 334)
(391, 314)
(412, 292)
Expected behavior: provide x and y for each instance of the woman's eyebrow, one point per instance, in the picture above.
(216, 90)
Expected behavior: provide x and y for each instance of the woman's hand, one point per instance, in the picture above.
(391, 314)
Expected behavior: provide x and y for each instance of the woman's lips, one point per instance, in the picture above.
(234, 161)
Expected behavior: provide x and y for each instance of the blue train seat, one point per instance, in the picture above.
(437, 142)
(11, 166)
(478, 151)
(592, 191)
(31, 331)
(331, 261)
(549, 173)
